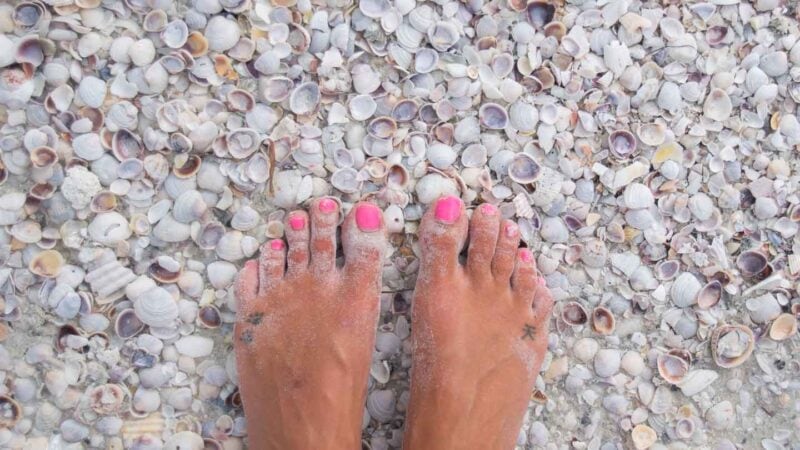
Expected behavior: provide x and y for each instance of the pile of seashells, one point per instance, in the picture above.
(647, 149)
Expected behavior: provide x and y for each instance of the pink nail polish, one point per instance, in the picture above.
(276, 244)
(512, 230)
(249, 265)
(525, 255)
(488, 209)
(297, 223)
(368, 217)
(448, 209)
(327, 205)
(542, 282)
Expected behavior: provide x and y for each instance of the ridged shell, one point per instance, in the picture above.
(108, 280)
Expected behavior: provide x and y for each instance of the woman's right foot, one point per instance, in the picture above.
(479, 331)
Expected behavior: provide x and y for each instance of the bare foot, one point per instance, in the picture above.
(479, 332)
(306, 329)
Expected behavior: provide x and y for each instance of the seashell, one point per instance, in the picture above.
(443, 35)
(142, 52)
(240, 100)
(108, 279)
(155, 21)
(382, 127)
(127, 324)
(196, 44)
(189, 207)
(222, 33)
(751, 263)
(622, 144)
(209, 316)
(381, 405)
(10, 412)
(540, 13)
(493, 116)
(43, 157)
(717, 105)
(638, 196)
(441, 155)
(305, 99)
(47, 264)
(523, 169)
(685, 290)
(426, 60)
(362, 107)
(245, 219)
(277, 89)
(603, 321)
(346, 180)
(394, 219)
(783, 327)
(27, 15)
(731, 345)
(145, 428)
(574, 314)
(165, 270)
(710, 295)
(106, 398)
(174, 34)
(607, 362)
(103, 201)
(643, 437)
(523, 117)
(243, 142)
(109, 228)
(221, 274)
(432, 186)
(405, 110)
(672, 368)
(374, 9)
(652, 133)
(154, 306)
(195, 346)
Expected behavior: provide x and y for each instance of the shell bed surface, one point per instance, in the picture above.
(648, 150)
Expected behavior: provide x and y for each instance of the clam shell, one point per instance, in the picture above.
(731, 345)
(362, 107)
(523, 169)
(783, 327)
(493, 116)
(305, 99)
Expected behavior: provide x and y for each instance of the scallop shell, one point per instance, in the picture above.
(731, 345)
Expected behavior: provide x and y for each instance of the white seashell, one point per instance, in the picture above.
(685, 289)
(441, 155)
(394, 219)
(245, 219)
(291, 188)
(616, 57)
(717, 105)
(467, 130)
(189, 207)
(221, 274)
(365, 80)
(346, 180)
(523, 117)
(381, 405)
(170, 230)
(443, 35)
(155, 307)
(175, 34)
(432, 186)
(696, 381)
(607, 362)
(637, 196)
(554, 230)
(142, 52)
(109, 228)
(523, 169)
(92, 91)
(374, 9)
(305, 98)
(194, 346)
(426, 60)
(720, 416)
(229, 246)
(222, 33)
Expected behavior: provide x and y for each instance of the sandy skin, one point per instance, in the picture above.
(306, 330)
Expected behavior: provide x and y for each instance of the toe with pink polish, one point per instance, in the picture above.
(512, 230)
(525, 255)
(297, 223)
(276, 244)
(488, 209)
(368, 217)
(448, 209)
(327, 205)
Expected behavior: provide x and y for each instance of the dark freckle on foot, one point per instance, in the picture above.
(247, 336)
(529, 332)
(255, 318)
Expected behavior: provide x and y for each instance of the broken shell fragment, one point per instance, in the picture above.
(10, 412)
(540, 13)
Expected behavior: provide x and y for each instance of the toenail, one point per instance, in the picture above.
(488, 209)
(276, 244)
(448, 209)
(542, 282)
(297, 222)
(368, 217)
(512, 230)
(327, 205)
(525, 255)
(251, 264)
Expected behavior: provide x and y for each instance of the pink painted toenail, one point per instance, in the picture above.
(252, 264)
(488, 209)
(542, 282)
(512, 230)
(448, 209)
(525, 255)
(327, 205)
(368, 217)
(276, 244)
(297, 222)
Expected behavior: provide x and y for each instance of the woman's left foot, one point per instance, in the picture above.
(306, 330)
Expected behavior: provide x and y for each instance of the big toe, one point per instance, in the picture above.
(364, 243)
(442, 234)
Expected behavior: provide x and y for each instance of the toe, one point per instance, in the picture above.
(296, 229)
(324, 218)
(271, 264)
(247, 285)
(524, 279)
(483, 231)
(542, 301)
(506, 252)
(364, 242)
(442, 234)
